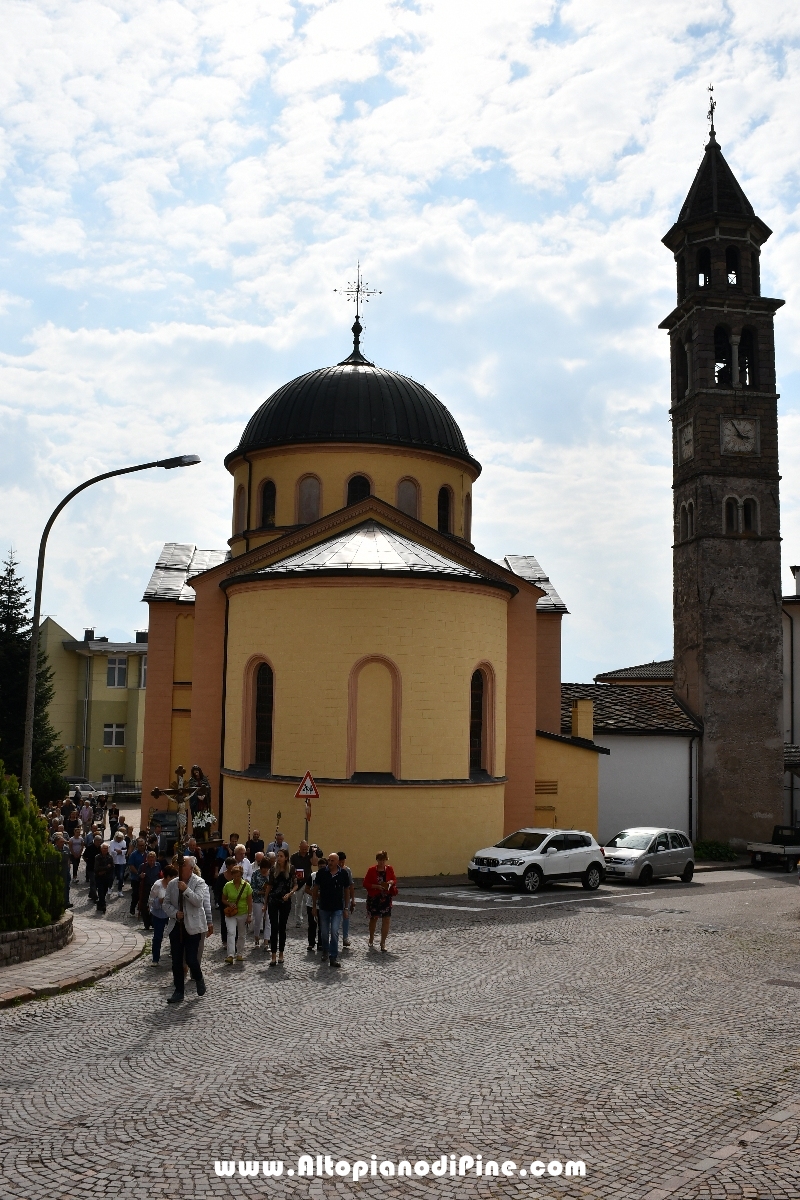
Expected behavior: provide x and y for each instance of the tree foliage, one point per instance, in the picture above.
(49, 758)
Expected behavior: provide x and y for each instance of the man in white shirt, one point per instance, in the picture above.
(280, 843)
(240, 854)
(118, 850)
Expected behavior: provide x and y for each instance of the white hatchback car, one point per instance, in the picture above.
(647, 851)
(531, 858)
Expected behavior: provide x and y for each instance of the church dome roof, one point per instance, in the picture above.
(355, 401)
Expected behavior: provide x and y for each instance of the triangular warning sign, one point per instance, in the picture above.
(307, 789)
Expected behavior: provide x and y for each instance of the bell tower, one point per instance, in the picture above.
(726, 545)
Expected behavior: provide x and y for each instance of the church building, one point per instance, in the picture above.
(352, 630)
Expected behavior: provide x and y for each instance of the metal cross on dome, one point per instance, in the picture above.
(358, 291)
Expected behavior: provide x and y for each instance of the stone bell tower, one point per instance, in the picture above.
(726, 552)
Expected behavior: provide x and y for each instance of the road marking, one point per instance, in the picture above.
(783, 983)
(472, 908)
(418, 904)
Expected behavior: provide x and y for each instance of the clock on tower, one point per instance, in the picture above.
(726, 553)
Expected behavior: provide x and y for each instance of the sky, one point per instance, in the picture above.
(184, 184)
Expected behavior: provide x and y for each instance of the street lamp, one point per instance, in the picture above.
(182, 460)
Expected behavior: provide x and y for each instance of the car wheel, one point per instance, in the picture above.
(484, 884)
(646, 875)
(532, 880)
(791, 865)
(688, 872)
(592, 877)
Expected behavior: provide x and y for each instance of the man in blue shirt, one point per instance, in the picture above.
(331, 886)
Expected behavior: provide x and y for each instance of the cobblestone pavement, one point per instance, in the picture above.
(97, 948)
(652, 1034)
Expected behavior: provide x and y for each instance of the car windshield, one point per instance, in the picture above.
(522, 841)
(631, 839)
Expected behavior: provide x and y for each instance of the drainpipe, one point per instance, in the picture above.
(86, 714)
(691, 787)
(222, 722)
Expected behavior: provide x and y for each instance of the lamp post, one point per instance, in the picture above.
(182, 460)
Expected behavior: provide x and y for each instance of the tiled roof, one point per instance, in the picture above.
(664, 670)
(370, 547)
(628, 709)
(177, 564)
(527, 567)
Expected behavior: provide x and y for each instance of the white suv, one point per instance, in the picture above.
(530, 858)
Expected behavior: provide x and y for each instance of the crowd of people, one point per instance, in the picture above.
(257, 888)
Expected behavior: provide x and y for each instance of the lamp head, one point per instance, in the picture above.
(182, 460)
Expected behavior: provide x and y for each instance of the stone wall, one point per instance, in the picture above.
(24, 944)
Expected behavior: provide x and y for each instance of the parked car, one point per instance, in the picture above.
(531, 858)
(782, 851)
(647, 852)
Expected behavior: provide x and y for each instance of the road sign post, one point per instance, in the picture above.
(307, 791)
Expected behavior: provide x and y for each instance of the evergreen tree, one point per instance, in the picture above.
(49, 758)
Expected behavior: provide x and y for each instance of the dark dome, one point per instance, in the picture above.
(355, 401)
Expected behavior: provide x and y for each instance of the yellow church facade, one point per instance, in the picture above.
(352, 630)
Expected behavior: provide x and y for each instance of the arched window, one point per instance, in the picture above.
(755, 273)
(722, 357)
(268, 505)
(477, 748)
(749, 516)
(408, 497)
(748, 373)
(240, 511)
(681, 369)
(704, 267)
(308, 500)
(468, 518)
(444, 510)
(681, 268)
(732, 265)
(375, 720)
(358, 488)
(731, 516)
(264, 710)
(683, 532)
(690, 519)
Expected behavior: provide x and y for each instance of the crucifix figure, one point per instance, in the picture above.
(180, 795)
(360, 291)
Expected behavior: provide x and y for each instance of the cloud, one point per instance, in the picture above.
(184, 185)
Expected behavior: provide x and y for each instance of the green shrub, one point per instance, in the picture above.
(714, 852)
(31, 879)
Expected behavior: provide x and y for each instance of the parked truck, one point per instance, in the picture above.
(782, 851)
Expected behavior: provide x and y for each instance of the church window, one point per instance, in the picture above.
(408, 497)
(268, 505)
(731, 516)
(468, 517)
(690, 519)
(704, 267)
(755, 271)
(375, 719)
(308, 500)
(722, 357)
(264, 707)
(749, 516)
(748, 376)
(732, 265)
(240, 513)
(681, 369)
(444, 510)
(681, 266)
(477, 738)
(358, 488)
(684, 524)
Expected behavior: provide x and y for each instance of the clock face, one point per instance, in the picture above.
(739, 435)
(686, 442)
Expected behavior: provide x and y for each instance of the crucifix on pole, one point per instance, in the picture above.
(360, 293)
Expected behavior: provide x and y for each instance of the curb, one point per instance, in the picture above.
(69, 983)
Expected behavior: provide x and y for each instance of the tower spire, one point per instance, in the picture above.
(359, 291)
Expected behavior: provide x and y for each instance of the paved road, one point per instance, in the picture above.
(652, 1034)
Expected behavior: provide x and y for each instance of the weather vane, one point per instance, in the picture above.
(358, 291)
(711, 106)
